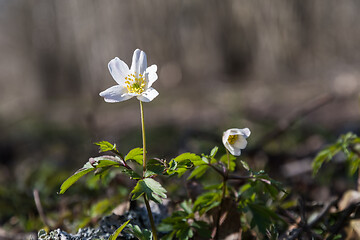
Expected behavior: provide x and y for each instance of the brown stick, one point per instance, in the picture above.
(40, 209)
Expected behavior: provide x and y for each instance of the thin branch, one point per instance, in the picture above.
(40, 208)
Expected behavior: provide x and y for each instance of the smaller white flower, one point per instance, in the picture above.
(234, 140)
(133, 82)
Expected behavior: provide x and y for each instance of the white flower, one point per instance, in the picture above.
(132, 82)
(234, 140)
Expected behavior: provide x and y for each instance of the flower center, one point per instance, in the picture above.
(232, 139)
(135, 84)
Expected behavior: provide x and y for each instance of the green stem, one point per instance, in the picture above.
(153, 228)
(143, 137)
(152, 223)
(228, 158)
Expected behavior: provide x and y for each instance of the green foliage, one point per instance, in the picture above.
(207, 201)
(254, 201)
(91, 165)
(136, 155)
(349, 144)
(262, 217)
(151, 188)
(224, 159)
(181, 164)
(198, 172)
(182, 224)
(118, 231)
(105, 146)
(141, 234)
(154, 167)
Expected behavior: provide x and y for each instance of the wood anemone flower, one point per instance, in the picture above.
(234, 140)
(133, 82)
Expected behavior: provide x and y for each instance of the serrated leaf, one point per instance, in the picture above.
(91, 165)
(195, 159)
(118, 231)
(179, 167)
(75, 177)
(106, 146)
(154, 167)
(198, 171)
(131, 173)
(185, 232)
(153, 190)
(141, 234)
(136, 155)
(186, 205)
(155, 187)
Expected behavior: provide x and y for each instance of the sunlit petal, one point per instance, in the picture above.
(114, 94)
(148, 95)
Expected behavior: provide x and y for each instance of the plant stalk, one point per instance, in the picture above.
(225, 178)
(143, 137)
(152, 223)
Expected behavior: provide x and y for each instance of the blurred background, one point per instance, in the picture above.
(288, 70)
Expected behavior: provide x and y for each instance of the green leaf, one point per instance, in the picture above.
(224, 159)
(153, 190)
(101, 207)
(186, 205)
(154, 167)
(323, 156)
(91, 165)
(245, 165)
(262, 217)
(179, 167)
(155, 187)
(106, 146)
(185, 232)
(118, 231)
(195, 159)
(131, 173)
(207, 201)
(135, 154)
(354, 163)
(198, 171)
(213, 152)
(202, 228)
(143, 234)
(75, 177)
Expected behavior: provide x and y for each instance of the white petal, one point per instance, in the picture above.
(115, 93)
(225, 137)
(235, 152)
(151, 75)
(148, 95)
(240, 142)
(237, 131)
(139, 62)
(118, 70)
(246, 132)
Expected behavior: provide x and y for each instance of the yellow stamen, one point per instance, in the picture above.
(232, 139)
(135, 84)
